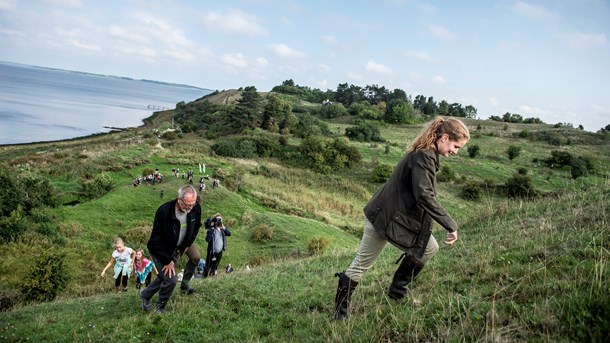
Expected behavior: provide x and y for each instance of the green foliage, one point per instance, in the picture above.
(169, 135)
(262, 232)
(47, 278)
(14, 225)
(101, 184)
(11, 195)
(577, 165)
(471, 191)
(381, 173)
(317, 245)
(308, 125)
(473, 150)
(446, 174)
(399, 112)
(325, 155)
(188, 126)
(520, 186)
(364, 131)
(513, 152)
(332, 111)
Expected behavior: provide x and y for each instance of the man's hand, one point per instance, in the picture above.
(169, 270)
(452, 237)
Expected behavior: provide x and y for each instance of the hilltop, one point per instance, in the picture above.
(526, 268)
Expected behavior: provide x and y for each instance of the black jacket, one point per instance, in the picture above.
(166, 231)
(403, 207)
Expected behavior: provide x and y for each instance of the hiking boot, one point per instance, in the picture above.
(160, 308)
(145, 304)
(187, 290)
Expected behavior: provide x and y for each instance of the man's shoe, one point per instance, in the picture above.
(188, 290)
(145, 304)
(160, 308)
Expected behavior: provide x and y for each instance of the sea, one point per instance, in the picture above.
(44, 104)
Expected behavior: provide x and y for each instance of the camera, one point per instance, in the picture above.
(219, 222)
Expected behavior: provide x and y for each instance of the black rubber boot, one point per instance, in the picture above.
(344, 294)
(406, 272)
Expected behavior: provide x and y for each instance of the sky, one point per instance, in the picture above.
(548, 59)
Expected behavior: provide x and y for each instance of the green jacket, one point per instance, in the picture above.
(402, 210)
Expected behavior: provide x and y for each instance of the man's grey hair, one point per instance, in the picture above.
(184, 190)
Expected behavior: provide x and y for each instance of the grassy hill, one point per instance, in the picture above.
(523, 269)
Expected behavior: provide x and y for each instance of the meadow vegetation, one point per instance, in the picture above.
(532, 202)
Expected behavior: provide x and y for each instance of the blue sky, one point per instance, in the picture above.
(547, 59)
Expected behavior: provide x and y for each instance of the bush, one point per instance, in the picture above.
(520, 186)
(513, 152)
(473, 150)
(446, 174)
(471, 191)
(522, 171)
(169, 135)
(14, 225)
(47, 278)
(101, 184)
(263, 232)
(381, 173)
(317, 245)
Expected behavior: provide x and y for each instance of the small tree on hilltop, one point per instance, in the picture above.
(513, 152)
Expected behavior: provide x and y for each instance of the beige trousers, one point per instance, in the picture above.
(372, 245)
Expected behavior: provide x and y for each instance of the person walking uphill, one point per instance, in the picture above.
(401, 212)
(175, 228)
(123, 258)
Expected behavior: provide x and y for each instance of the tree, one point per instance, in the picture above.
(399, 112)
(473, 150)
(247, 111)
(276, 109)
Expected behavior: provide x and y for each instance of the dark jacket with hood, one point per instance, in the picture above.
(166, 231)
(403, 208)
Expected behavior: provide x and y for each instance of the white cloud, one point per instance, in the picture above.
(64, 3)
(236, 60)
(419, 55)
(235, 21)
(378, 68)
(85, 46)
(439, 80)
(324, 68)
(441, 32)
(179, 55)
(531, 11)
(6, 5)
(125, 34)
(285, 51)
(355, 77)
(261, 61)
(493, 101)
(583, 40)
(328, 39)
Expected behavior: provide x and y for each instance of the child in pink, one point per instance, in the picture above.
(143, 268)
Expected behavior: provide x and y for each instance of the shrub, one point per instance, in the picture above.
(522, 171)
(520, 186)
(46, 279)
(137, 236)
(471, 191)
(446, 174)
(169, 135)
(262, 232)
(513, 152)
(101, 184)
(381, 173)
(14, 225)
(11, 195)
(258, 260)
(473, 150)
(317, 245)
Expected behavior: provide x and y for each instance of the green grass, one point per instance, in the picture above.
(522, 271)
(533, 271)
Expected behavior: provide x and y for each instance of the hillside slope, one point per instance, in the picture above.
(529, 271)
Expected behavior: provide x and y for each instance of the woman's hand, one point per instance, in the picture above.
(452, 237)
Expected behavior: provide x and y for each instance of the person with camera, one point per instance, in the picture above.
(217, 243)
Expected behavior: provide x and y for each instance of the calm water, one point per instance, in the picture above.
(39, 104)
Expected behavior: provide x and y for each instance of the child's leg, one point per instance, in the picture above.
(148, 278)
(125, 279)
